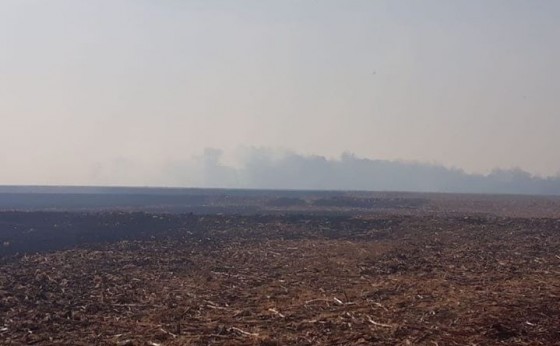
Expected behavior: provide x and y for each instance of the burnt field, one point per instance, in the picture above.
(421, 270)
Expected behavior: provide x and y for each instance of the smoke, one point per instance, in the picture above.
(263, 168)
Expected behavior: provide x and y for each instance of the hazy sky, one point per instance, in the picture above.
(92, 89)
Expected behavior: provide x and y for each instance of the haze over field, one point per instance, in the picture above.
(381, 95)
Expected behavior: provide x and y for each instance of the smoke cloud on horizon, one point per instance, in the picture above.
(262, 168)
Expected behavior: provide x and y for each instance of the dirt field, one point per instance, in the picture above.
(436, 277)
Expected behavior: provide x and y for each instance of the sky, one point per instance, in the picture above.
(136, 92)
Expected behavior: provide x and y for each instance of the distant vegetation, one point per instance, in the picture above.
(267, 169)
(369, 203)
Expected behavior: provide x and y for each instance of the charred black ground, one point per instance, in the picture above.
(346, 269)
